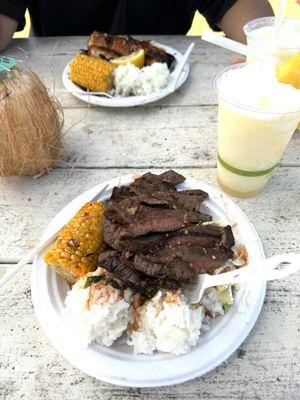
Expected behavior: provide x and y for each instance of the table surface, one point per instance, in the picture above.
(177, 132)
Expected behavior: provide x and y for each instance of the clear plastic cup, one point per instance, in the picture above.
(260, 34)
(264, 39)
(251, 141)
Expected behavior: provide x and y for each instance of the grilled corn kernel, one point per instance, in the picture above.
(78, 245)
(92, 73)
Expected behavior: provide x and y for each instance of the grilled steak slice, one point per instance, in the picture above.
(161, 190)
(112, 46)
(192, 240)
(149, 220)
(164, 181)
(182, 262)
(110, 237)
(123, 269)
(121, 193)
(182, 200)
(227, 238)
(120, 266)
(123, 212)
(171, 177)
(210, 235)
(130, 209)
(177, 270)
(155, 233)
(161, 220)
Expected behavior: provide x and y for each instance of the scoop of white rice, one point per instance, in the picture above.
(132, 81)
(166, 323)
(105, 319)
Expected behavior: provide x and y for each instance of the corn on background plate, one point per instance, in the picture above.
(117, 364)
(129, 101)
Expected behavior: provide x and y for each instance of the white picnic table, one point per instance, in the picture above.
(178, 132)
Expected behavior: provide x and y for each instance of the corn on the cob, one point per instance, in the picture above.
(78, 245)
(92, 73)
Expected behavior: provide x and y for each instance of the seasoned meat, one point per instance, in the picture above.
(227, 239)
(182, 262)
(182, 200)
(165, 181)
(209, 234)
(146, 220)
(157, 234)
(123, 269)
(124, 212)
(121, 193)
(161, 190)
(178, 270)
(192, 240)
(111, 237)
(119, 265)
(113, 46)
(171, 177)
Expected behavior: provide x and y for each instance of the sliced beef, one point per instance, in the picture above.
(210, 235)
(111, 237)
(182, 263)
(121, 193)
(177, 270)
(182, 200)
(112, 46)
(123, 269)
(160, 220)
(119, 265)
(160, 190)
(157, 234)
(136, 220)
(166, 181)
(192, 240)
(172, 177)
(227, 238)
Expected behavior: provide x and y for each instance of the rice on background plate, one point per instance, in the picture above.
(132, 81)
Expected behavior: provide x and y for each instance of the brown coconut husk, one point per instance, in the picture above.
(30, 125)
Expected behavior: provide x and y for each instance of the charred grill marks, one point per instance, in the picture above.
(157, 235)
(113, 46)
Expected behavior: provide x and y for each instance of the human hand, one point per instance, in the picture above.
(238, 60)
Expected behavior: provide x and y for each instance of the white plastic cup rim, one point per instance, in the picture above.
(252, 25)
(224, 96)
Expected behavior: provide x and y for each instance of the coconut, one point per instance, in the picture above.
(30, 125)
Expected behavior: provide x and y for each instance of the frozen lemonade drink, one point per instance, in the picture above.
(257, 117)
(261, 34)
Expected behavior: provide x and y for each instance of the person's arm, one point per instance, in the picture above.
(8, 26)
(240, 13)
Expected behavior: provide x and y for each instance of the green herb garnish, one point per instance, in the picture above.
(92, 279)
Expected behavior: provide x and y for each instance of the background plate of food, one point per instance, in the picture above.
(124, 71)
(125, 320)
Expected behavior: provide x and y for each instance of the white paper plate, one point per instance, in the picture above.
(132, 100)
(117, 364)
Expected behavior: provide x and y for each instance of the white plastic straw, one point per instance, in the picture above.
(232, 45)
(279, 19)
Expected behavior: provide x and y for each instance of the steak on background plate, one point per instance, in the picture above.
(110, 46)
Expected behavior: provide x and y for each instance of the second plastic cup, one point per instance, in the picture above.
(260, 34)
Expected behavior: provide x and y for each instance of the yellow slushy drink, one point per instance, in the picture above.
(257, 117)
(261, 34)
